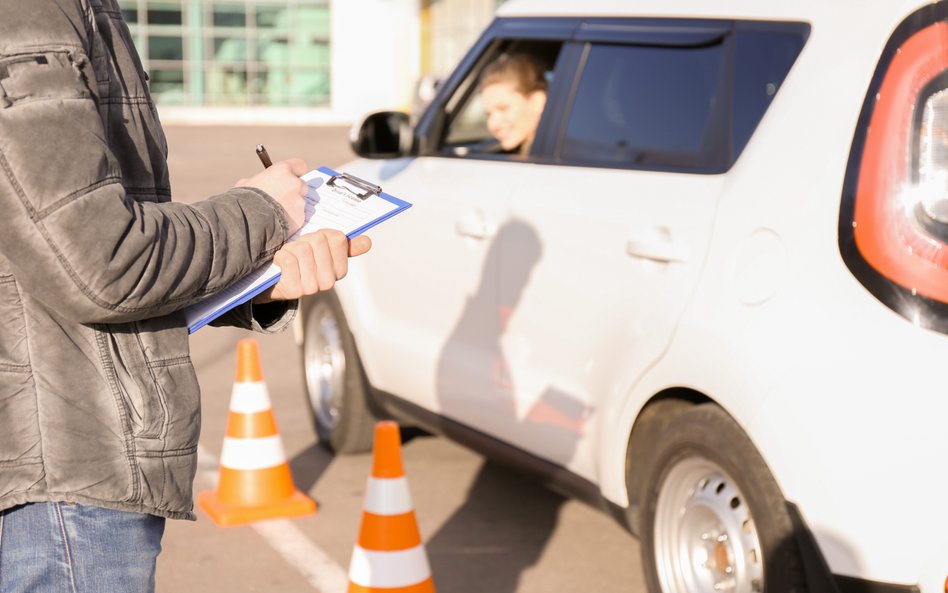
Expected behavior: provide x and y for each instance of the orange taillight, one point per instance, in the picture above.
(896, 227)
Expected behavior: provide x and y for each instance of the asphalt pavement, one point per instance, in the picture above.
(486, 528)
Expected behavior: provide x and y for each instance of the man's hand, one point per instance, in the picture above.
(282, 182)
(313, 263)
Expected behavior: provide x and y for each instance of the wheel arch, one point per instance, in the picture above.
(653, 417)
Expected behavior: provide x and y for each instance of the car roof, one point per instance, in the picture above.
(840, 11)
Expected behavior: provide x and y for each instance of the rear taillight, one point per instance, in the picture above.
(897, 190)
(894, 216)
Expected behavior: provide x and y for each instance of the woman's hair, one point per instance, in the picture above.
(521, 69)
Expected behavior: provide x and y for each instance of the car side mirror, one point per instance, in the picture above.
(382, 135)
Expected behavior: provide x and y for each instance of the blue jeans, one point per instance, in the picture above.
(57, 547)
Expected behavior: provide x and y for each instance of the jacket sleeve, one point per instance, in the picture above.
(75, 239)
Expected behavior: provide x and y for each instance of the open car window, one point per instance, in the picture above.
(467, 132)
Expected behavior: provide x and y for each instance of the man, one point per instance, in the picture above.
(99, 403)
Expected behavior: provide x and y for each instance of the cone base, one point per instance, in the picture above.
(229, 515)
(425, 586)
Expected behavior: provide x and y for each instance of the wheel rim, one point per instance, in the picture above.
(324, 361)
(705, 537)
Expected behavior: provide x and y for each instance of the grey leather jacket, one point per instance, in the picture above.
(99, 402)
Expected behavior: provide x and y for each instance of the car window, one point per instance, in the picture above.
(470, 125)
(763, 59)
(649, 106)
(683, 105)
(635, 94)
(468, 133)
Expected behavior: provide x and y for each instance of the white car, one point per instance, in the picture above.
(713, 296)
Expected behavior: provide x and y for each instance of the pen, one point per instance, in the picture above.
(264, 157)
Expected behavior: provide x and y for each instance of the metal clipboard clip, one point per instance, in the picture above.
(368, 188)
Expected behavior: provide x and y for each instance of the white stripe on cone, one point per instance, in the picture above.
(252, 453)
(249, 398)
(388, 496)
(389, 570)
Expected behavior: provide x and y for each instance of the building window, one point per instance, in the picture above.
(256, 52)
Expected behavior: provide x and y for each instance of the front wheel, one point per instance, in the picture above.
(336, 387)
(713, 518)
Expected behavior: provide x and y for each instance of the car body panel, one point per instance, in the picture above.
(621, 254)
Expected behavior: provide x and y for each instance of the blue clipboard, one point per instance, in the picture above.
(363, 210)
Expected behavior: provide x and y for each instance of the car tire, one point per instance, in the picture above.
(713, 517)
(336, 387)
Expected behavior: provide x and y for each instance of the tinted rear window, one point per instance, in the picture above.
(667, 107)
(648, 105)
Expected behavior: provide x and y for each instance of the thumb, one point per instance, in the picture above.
(359, 245)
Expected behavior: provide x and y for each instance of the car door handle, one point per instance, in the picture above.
(475, 229)
(658, 250)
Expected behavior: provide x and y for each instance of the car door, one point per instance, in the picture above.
(623, 215)
(424, 285)
(427, 296)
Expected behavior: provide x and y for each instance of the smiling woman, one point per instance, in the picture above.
(513, 93)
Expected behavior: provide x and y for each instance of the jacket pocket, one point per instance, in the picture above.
(167, 350)
(145, 405)
(177, 382)
(49, 74)
(19, 427)
(14, 353)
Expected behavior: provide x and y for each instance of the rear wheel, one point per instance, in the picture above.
(713, 518)
(335, 383)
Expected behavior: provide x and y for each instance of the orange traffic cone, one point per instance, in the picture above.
(255, 481)
(389, 555)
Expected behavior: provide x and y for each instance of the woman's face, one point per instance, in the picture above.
(512, 117)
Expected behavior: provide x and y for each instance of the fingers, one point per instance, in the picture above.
(309, 265)
(289, 282)
(290, 172)
(297, 274)
(333, 249)
(313, 263)
(296, 166)
(321, 269)
(282, 182)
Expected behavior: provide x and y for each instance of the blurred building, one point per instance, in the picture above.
(298, 60)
